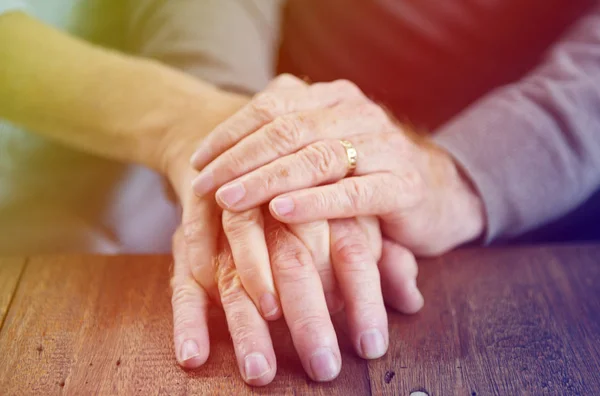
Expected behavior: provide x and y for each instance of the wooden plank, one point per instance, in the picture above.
(500, 322)
(10, 272)
(518, 321)
(103, 325)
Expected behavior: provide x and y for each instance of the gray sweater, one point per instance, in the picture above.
(513, 92)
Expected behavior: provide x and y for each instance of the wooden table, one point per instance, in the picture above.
(496, 322)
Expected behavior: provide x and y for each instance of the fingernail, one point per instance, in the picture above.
(189, 350)
(324, 365)
(203, 183)
(255, 366)
(372, 344)
(283, 206)
(231, 194)
(268, 305)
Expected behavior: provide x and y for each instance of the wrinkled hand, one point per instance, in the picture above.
(298, 164)
(311, 286)
(196, 284)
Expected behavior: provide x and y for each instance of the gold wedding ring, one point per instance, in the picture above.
(352, 155)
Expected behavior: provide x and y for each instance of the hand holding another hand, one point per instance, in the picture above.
(298, 165)
(309, 284)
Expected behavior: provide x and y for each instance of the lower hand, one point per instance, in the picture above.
(311, 287)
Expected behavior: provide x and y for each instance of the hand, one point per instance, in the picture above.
(194, 281)
(422, 199)
(201, 214)
(310, 286)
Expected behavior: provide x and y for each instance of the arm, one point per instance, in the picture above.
(93, 99)
(230, 43)
(532, 148)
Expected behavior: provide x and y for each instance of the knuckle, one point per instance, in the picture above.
(286, 258)
(267, 106)
(230, 287)
(249, 275)
(322, 201)
(285, 133)
(353, 254)
(356, 193)
(191, 232)
(236, 222)
(309, 325)
(182, 294)
(320, 159)
(230, 164)
(348, 87)
(287, 80)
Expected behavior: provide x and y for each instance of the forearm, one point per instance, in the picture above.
(91, 98)
(532, 149)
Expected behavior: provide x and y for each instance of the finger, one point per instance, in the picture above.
(372, 230)
(358, 277)
(370, 195)
(199, 232)
(322, 162)
(246, 235)
(249, 332)
(190, 311)
(288, 134)
(281, 98)
(303, 303)
(398, 269)
(315, 236)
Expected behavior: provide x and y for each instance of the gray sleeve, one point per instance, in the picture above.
(532, 149)
(229, 43)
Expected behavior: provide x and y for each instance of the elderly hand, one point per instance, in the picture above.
(197, 283)
(308, 284)
(201, 216)
(297, 162)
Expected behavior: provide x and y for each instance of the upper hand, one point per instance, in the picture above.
(423, 200)
(201, 216)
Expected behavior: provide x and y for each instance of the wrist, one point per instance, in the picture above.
(462, 212)
(465, 207)
(183, 136)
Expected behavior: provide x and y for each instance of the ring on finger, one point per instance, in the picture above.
(352, 156)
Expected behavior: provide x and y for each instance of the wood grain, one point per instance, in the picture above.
(83, 325)
(520, 321)
(496, 322)
(10, 272)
